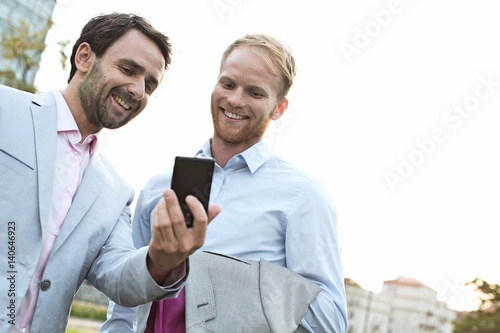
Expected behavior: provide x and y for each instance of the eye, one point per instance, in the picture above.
(256, 94)
(227, 85)
(126, 71)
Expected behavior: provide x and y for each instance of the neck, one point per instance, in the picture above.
(223, 151)
(70, 95)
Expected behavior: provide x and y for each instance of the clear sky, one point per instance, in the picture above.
(394, 108)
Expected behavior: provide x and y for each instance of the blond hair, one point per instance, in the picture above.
(277, 56)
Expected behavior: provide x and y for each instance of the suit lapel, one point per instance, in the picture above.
(44, 114)
(200, 300)
(89, 190)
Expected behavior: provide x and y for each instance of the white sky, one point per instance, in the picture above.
(369, 87)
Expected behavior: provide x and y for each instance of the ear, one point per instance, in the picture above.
(84, 57)
(280, 109)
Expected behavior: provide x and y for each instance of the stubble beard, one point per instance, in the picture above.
(95, 101)
(246, 135)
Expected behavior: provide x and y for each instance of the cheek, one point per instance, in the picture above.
(218, 95)
(265, 111)
(142, 104)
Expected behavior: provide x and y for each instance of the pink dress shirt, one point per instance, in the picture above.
(168, 315)
(72, 159)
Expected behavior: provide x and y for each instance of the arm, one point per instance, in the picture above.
(312, 250)
(119, 318)
(133, 277)
(123, 319)
(121, 272)
(170, 243)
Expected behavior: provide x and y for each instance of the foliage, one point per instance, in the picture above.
(62, 52)
(88, 310)
(24, 47)
(490, 294)
(487, 318)
(351, 282)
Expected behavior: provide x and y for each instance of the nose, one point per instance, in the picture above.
(137, 89)
(236, 98)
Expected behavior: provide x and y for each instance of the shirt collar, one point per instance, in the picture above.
(254, 157)
(66, 122)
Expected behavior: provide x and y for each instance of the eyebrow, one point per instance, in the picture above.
(140, 68)
(250, 86)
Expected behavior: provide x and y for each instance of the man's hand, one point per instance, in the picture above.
(172, 242)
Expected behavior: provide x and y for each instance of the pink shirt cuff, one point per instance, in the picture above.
(176, 276)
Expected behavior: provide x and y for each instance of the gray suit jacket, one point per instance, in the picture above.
(230, 294)
(95, 240)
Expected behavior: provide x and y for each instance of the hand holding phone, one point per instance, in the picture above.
(192, 176)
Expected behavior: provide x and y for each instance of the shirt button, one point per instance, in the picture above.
(221, 176)
(70, 189)
(25, 330)
(237, 159)
(56, 232)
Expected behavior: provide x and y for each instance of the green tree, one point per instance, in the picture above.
(23, 47)
(487, 318)
(351, 282)
(62, 52)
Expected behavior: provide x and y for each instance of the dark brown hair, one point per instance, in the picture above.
(103, 30)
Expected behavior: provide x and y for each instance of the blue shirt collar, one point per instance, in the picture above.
(254, 157)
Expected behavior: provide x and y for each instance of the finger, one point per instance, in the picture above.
(213, 211)
(200, 219)
(162, 228)
(196, 208)
(175, 214)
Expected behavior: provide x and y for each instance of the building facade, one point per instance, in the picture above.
(404, 305)
(35, 12)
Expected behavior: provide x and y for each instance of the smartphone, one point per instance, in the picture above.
(192, 176)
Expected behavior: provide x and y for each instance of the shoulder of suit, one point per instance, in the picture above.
(20, 96)
(13, 91)
(10, 94)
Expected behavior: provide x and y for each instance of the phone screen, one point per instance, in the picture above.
(192, 176)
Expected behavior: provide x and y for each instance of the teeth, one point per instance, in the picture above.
(234, 115)
(121, 102)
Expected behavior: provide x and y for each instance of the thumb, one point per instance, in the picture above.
(213, 211)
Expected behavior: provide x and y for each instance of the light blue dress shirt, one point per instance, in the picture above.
(270, 210)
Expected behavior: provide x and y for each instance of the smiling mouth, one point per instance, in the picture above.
(234, 116)
(120, 101)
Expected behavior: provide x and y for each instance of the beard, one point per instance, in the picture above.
(95, 101)
(250, 133)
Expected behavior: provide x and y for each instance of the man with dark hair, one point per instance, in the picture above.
(101, 31)
(64, 209)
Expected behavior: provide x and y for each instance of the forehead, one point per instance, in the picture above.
(244, 65)
(136, 46)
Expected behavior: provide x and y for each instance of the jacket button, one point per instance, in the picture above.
(45, 284)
